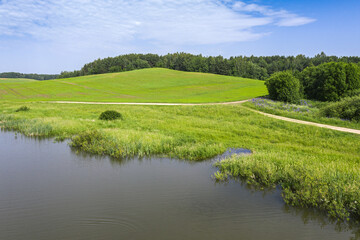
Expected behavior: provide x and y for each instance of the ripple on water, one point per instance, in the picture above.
(125, 223)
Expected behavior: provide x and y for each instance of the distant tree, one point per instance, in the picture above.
(115, 69)
(330, 81)
(352, 78)
(140, 64)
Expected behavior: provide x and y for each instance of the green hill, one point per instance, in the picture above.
(146, 85)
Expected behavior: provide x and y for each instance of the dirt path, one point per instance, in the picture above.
(341, 129)
(153, 104)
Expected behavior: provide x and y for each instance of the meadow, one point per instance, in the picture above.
(316, 168)
(146, 85)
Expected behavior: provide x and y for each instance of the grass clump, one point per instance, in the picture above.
(22, 109)
(110, 115)
(318, 186)
(29, 127)
(140, 144)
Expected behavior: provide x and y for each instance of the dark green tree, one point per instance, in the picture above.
(283, 86)
(330, 81)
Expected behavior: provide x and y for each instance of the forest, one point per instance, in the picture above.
(248, 67)
(254, 67)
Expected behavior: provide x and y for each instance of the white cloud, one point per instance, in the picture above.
(294, 21)
(81, 23)
(41, 35)
(281, 18)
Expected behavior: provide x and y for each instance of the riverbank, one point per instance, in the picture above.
(283, 153)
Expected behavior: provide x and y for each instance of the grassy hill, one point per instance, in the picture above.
(146, 85)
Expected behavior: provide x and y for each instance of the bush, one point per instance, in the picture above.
(348, 109)
(22, 109)
(110, 115)
(283, 86)
(330, 81)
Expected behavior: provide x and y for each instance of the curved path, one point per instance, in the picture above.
(154, 104)
(341, 129)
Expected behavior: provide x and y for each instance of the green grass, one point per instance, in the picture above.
(315, 167)
(307, 111)
(16, 80)
(146, 85)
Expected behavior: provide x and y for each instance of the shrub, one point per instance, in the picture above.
(283, 86)
(348, 108)
(22, 109)
(110, 115)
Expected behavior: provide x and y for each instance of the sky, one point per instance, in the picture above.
(50, 36)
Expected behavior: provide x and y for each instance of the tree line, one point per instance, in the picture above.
(248, 67)
(326, 82)
(34, 76)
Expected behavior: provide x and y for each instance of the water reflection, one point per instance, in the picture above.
(311, 216)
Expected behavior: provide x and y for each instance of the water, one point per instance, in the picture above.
(47, 191)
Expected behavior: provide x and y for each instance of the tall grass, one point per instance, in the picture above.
(315, 167)
(132, 143)
(29, 127)
(331, 186)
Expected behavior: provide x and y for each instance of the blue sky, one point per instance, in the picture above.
(51, 36)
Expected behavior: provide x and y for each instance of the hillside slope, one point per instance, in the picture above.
(146, 85)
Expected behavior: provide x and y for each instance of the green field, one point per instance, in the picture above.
(316, 168)
(16, 80)
(147, 85)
